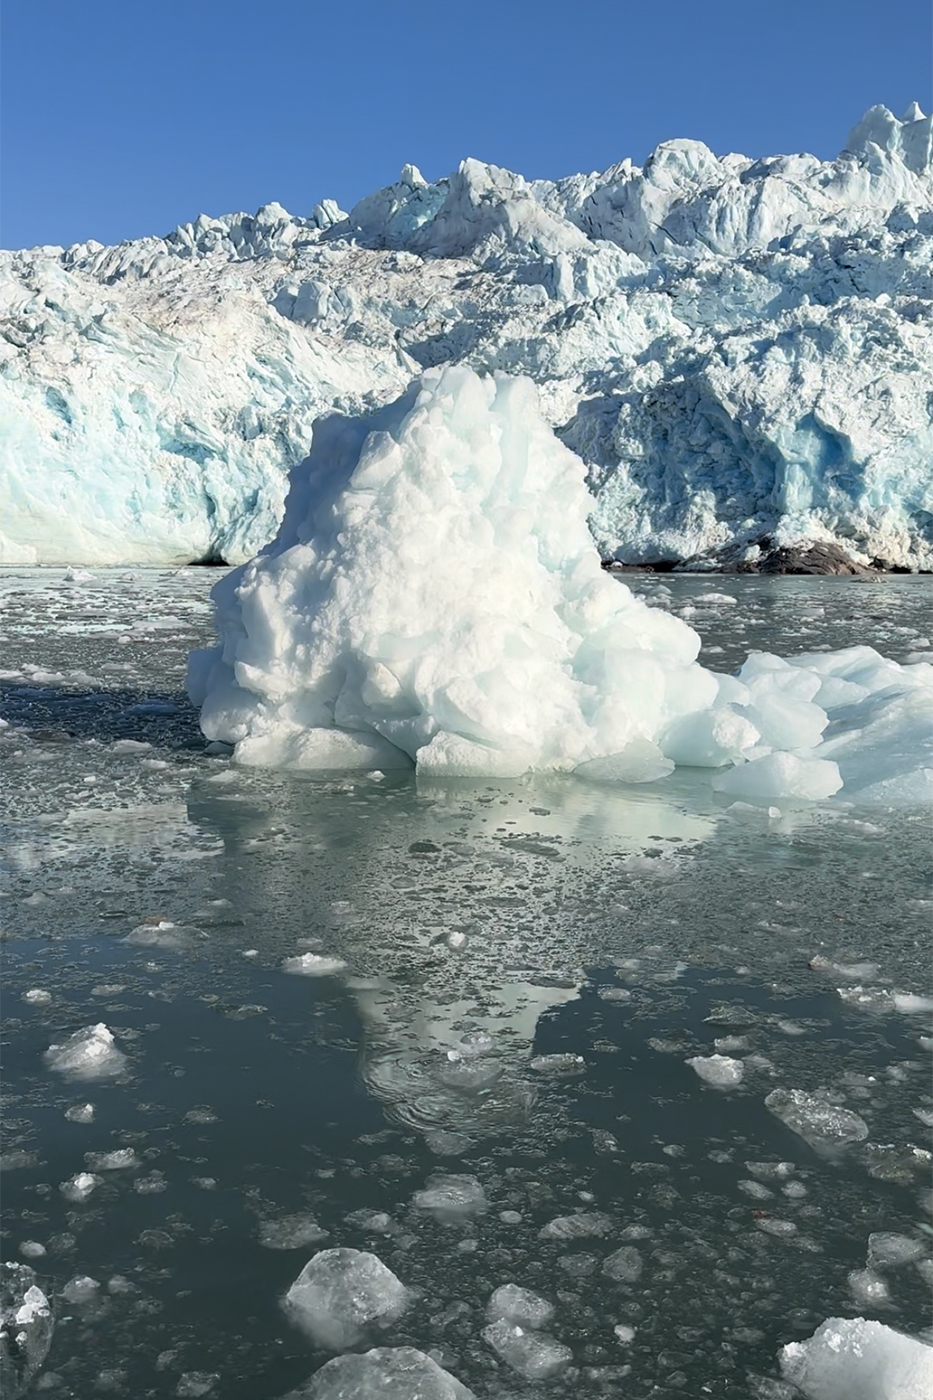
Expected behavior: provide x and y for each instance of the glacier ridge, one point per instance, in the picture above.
(739, 350)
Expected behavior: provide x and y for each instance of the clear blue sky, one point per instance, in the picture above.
(126, 117)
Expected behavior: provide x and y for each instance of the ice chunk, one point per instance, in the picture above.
(313, 965)
(342, 1294)
(820, 1123)
(782, 777)
(625, 1265)
(452, 1198)
(291, 1232)
(26, 1326)
(81, 1289)
(80, 1186)
(887, 1250)
(533, 1355)
(851, 1359)
(719, 1071)
(80, 1113)
(118, 1160)
(519, 1306)
(37, 996)
(868, 1288)
(576, 1227)
(385, 1373)
(88, 1054)
(561, 1066)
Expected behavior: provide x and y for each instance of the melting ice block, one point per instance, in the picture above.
(88, 1054)
(385, 1373)
(433, 597)
(342, 1294)
(851, 1359)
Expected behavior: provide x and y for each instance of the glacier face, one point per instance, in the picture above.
(739, 350)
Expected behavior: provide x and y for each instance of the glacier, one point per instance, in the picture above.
(433, 598)
(739, 351)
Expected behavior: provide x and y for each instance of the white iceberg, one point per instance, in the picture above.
(433, 597)
(88, 1054)
(851, 1359)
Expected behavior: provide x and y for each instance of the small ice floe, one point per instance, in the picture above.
(80, 1186)
(31, 1249)
(88, 1054)
(855, 972)
(719, 1071)
(820, 1123)
(130, 746)
(625, 1265)
(447, 1144)
(519, 1306)
(26, 1325)
(887, 1250)
(291, 1232)
(851, 1359)
(624, 1333)
(534, 1355)
(313, 965)
(194, 1385)
(122, 1159)
(868, 1289)
(37, 996)
(559, 1066)
(76, 575)
(341, 1294)
(385, 1373)
(452, 1199)
(586, 1225)
(771, 1171)
(163, 933)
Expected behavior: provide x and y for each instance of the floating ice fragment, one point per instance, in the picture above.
(313, 965)
(88, 1054)
(625, 1333)
(782, 776)
(452, 1199)
(194, 1384)
(910, 1005)
(887, 1250)
(32, 1249)
(341, 1293)
(26, 1326)
(858, 972)
(519, 1306)
(820, 1123)
(868, 1288)
(80, 1186)
(576, 1227)
(719, 1071)
(384, 1373)
(533, 1355)
(562, 1066)
(625, 1265)
(37, 996)
(80, 1289)
(291, 1232)
(851, 1359)
(119, 1160)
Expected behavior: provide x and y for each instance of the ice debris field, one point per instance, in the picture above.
(433, 597)
(738, 349)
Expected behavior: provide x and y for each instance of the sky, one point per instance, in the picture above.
(126, 117)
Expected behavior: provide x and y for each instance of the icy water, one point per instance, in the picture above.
(522, 970)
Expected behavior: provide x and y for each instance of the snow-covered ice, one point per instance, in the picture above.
(433, 597)
(90, 1053)
(384, 1373)
(737, 348)
(855, 1359)
(342, 1294)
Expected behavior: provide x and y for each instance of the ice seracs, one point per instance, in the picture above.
(737, 349)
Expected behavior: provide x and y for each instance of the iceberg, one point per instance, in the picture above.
(737, 349)
(433, 598)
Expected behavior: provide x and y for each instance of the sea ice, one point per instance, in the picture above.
(341, 1294)
(291, 1232)
(313, 965)
(534, 1355)
(851, 1359)
(576, 1227)
(625, 1265)
(88, 1054)
(820, 1123)
(452, 1198)
(433, 597)
(887, 1250)
(384, 1373)
(26, 1326)
(719, 1071)
(519, 1306)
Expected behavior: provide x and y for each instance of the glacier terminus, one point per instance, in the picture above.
(739, 350)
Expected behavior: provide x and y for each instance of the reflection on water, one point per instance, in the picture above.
(529, 967)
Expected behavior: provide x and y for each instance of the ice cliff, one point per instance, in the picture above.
(739, 350)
